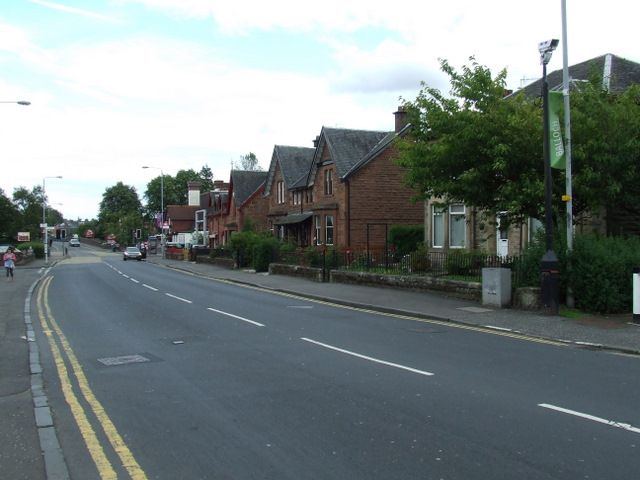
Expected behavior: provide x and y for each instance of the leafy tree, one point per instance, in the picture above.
(473, 147)
(249, 162)
(9, 217)
(478, 148)
(120, 211)
(175, 188)
(605, 132)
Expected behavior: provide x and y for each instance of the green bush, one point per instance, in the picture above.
(466, 263)
(37, 247)
(406, 238)
(262, 251)
(602, 272)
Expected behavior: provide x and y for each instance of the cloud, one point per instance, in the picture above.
(74, 10)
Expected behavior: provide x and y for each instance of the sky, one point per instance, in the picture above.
(116, 85)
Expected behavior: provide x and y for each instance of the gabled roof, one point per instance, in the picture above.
(245, 183)
(385, 143)
(346, 147)
(294, 163)
(617, 73)
(182, 217)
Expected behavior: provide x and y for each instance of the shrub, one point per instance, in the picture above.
(466, 263)
(406, 238)
(262, 251)
(37, 247)
(601, 272)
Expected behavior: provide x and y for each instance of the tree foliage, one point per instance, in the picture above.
(473, 147)
(175, 188)
(249, 162)
(481, 149)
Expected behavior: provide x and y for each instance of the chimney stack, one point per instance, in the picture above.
(194, 193)
(401, 118)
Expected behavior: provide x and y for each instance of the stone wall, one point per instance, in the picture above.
(456, 288)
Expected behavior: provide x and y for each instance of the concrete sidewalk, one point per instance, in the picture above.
(615, 332)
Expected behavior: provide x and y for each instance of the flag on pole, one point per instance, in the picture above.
(556, 102)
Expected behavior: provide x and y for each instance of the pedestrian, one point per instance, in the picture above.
(9, 259)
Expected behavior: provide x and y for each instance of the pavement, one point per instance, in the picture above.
(28, 444)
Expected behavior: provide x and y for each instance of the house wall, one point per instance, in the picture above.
(377, 196)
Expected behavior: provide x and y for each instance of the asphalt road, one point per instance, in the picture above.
(156, 374)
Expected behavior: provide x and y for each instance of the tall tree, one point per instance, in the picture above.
(249, 162)
(478, 148)
(473, 147)
(120, 211)
(175, 188)
(9, 218)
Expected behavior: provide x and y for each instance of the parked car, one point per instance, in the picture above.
(74, 242)
(132, 253)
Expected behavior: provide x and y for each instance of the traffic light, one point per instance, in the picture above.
(138, 233)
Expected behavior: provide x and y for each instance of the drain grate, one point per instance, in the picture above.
(123, 360)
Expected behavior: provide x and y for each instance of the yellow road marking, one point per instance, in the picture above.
(102, 463)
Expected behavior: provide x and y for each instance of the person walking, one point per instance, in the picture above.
(9, 259)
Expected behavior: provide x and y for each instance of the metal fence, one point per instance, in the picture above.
(461, 264)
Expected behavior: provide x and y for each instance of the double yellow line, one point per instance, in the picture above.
(61, 350)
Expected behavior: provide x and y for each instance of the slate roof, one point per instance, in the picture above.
(245, 183)
(294, 163)
(347, 148)
(620, 72)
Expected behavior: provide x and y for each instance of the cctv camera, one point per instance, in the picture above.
(548, 46)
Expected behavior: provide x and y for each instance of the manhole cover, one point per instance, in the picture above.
(123, 360)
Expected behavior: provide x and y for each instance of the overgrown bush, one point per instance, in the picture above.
(601, 272)
(406, 238)
(262, 251)
(37, 247)
(465, 262)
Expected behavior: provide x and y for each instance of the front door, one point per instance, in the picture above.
(503, 240)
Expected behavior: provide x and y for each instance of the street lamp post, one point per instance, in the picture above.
(20, 102)
(549, 266)
(161, 207)
(44, 220)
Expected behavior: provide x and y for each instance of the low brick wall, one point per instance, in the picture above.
(456, 288)
(309, 273)
(222, 262)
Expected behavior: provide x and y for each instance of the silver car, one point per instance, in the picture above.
(132, 253)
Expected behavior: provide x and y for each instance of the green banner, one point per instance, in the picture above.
(556, 102)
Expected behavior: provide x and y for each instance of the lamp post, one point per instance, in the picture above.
(20, 102)
(161, 207)
(549, 265)
(44, 220)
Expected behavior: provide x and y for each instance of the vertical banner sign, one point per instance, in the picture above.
(556, 103)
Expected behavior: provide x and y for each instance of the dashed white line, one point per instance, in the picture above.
(611, 423)
(178, 298)
(149, 287)
(371, 359)
(236, 316)
(134, 280)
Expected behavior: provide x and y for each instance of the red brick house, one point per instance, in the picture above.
(351, 194)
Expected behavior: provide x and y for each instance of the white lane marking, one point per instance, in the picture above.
(134, 280)
(235, 316)
(149, 287)
(125, 275)
(178, 298)
(371, 359)
(611, 423)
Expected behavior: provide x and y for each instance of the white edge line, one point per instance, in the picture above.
(371, 359)
(235, 316)
(178, 298)
(149, 287)
(624, 426)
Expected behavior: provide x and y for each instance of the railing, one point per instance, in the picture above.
(461, 265)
